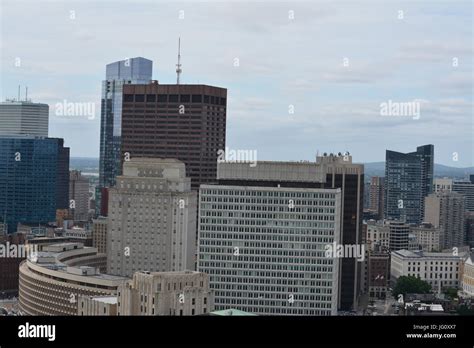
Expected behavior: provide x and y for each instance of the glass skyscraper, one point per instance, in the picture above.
(129, 71)
(408, 180)
(34, 177)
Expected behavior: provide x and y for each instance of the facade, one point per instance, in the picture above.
(378, 273)
(52, 281)
(446, 210)
(408, 180)
(186, 122)
(118, 74)
(468, 277)
(34, 176)
(24, 118)
(440, 270)
(78, 196)
(427, 237)
(166, 293)
(376, 196)
(466, 188)
(441, 185)
(263, 244)
(152, 218)
(97, 305)
(99, 234)
(378, 234)
(399, 235)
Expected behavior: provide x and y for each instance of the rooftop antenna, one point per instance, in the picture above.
(26, 93)
(178, 66)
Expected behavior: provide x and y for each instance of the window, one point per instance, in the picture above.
(162, 98)
(139, 97)
(197, 98)
(128, 98)
(173, 98)
(150, 97)
(185, 98)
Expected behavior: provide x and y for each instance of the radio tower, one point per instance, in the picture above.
(178, 66)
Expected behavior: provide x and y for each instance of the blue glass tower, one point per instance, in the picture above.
(130, 71)
(34, 179)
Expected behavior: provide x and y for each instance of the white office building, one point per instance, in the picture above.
(264, 245)
(24, 117)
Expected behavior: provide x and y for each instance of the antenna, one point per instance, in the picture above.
(178, 66)
(26, 93)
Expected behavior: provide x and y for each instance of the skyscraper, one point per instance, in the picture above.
(78, 196)
(408, 180)
(34, 176)
(186, 122)
(118, 74)
(24, 117)
(263, 234)
(329, 172)
(446, 210)
(376, 192)
(152, 218)
(466, 188)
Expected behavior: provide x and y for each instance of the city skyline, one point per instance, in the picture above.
(336, 108)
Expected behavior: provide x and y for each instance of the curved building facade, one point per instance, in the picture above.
(52, 281)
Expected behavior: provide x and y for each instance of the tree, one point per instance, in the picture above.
(452, 293)
(410, 285)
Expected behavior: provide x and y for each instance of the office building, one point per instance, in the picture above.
(23, 118)
(34, 176)
(378, 234)
(442, 184)
(118, 74)
(152, 218)
(468, 277)
(440, 270)
(399, 235)
(166, 293)
(78, 196)
(445, 210)
(263, 233)
(427, 237)
(466, 188)
(378, 268)
(376, 196)
(51, 281)
(408, 180)
(186, 122)
(99, 234)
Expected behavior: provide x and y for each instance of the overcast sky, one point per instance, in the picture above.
(334, 62)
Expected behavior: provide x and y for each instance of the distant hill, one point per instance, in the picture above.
(440, 170)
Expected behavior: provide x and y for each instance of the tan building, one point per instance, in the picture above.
(468, 277)
(446, 210)
(166, 293)
(152, 218)
(427, 236)
(51, 281)
(378, 233)
(97, 305)
(99, 234)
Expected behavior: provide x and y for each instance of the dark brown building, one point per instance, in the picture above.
(9, 266)
(186, 122)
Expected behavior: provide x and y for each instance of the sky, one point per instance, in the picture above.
(302, 77)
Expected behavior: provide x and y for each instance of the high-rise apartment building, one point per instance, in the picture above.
(186, 122)
(408, 180)
(118, 74)
(78, 196)
(446, 211)
(34, 176)
(23, 118)
(152, 218)
(166, 293)
(376, 195)
(466, 188)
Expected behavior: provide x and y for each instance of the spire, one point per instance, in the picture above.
(178, 66)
